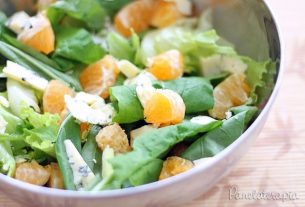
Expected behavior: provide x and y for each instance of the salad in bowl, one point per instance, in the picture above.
(97, 95)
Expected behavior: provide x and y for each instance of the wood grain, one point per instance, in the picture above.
(276, 162)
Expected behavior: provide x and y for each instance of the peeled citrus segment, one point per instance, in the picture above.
(167, 66)
(165, 13)
(134, 16)
(233, 91)
(173, 166)
(40, 36)
(165, 107)
(97, 78)
(53, 98)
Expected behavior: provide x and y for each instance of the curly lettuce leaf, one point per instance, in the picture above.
(113, 6)
(87, 11)
(41, 131)
(7, 161)
(193, 45)
(124, 48)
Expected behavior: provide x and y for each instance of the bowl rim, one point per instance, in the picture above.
(166, 182)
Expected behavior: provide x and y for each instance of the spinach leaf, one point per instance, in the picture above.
(126, 103)
(88, 11)
(218, 139)
(7, 161)
(113, 6)
(196, 92)
(77, 44)
(39, 67)
(147, 174)
(69, 129)
(91, 152)
(37, 55)
(152, 145)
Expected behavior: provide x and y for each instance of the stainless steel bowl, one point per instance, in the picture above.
(250, 25)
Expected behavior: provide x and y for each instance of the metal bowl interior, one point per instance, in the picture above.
(250, 26)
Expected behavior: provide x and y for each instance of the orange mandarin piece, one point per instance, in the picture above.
(134, 16)
(233, 91)
(167, 66)
(40, 36)
(165, 13)
(53, 98)
(97, 78)
(165, 107)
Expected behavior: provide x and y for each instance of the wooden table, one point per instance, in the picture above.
(276, 163)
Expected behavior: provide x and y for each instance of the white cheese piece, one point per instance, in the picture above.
(19, 22)
(143, 79)
(3, 125)
(145, 93)
(202, 120)
(128, 69)
(4, 102)
(20, 96)
(92, 110)
(216, 64)
(107, 169)
(82, 174)
(23, 75)
(184, 6)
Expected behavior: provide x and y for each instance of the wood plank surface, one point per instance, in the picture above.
(275, 164)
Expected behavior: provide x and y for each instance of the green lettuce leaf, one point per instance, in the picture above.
(255, 73)
(152, 145)
(7, 161)
(113, 6)
(192, 44)
(90, 12)
(13, 122)
(147, 174)
(77, 44)
(126, 103)
(218, 139)
(18, 56)
(125, 48)
(41, 131)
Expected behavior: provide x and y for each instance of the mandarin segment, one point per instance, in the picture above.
(56, 179)
(233, 91)
(134, 16)
(167, 66)
(165, 107)
(97, 78)
(33, 173)
(53, 98)
(165, 13)
(40, 36)
(174, 166)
